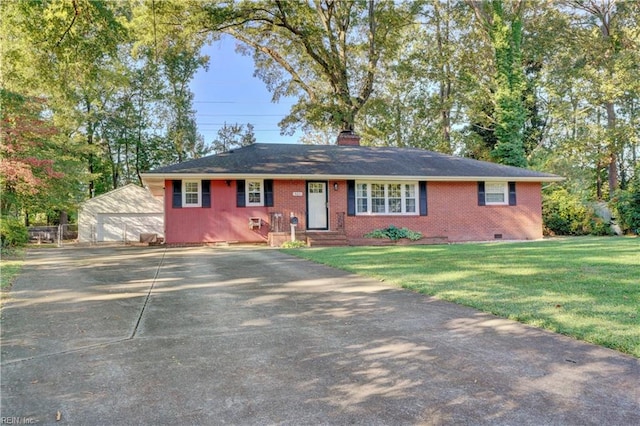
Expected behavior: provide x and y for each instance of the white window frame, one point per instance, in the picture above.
(498, 188)
(248, 193)
(364, 198)
(184, 193)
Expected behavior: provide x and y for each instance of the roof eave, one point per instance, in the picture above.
(148, 177)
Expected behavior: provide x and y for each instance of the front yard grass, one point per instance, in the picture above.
(10, 267)
(587, 288)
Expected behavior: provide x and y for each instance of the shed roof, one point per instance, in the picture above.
(130, 198)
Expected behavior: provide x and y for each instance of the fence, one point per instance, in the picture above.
(58, 234)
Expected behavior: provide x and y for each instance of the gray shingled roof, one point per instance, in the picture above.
(344, 161)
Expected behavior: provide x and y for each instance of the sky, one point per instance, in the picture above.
(228, 92)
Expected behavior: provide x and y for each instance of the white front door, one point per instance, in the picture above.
(317, 205)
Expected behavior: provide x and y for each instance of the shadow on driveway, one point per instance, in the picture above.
(253, 336)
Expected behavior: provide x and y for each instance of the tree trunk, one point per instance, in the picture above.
(598, 180)
(63, 218)
(92, 189)
(445, 69)
(613, 157)
(604, 10)
(445, 114)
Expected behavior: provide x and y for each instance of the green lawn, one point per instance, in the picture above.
(588, 288)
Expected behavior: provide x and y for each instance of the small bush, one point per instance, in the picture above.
(293, 244)
(13, 233)
(597, 226)
(394, 234)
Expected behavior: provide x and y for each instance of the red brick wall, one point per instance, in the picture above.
(453, 212)
(452, 206)
(286, 202)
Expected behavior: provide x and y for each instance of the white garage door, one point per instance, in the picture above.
(128, 226)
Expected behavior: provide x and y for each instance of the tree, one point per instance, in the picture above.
(67, 55)
(113, 92)
(419, 97)
(173, 46)
(326, 52)
(611, 65)
(179, 64)
(504, 29)
(28, 153)
(591, 85)
(233, 136)
(326, 136)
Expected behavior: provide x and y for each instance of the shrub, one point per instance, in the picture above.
(394, 234)
(626, 203)
(293, 244)
(597, 226)
(13, 233)
(564, 213)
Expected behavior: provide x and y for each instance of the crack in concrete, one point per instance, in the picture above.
(111, 342)
(146, 300)
(65, 352)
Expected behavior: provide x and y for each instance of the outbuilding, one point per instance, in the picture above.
(128, 214)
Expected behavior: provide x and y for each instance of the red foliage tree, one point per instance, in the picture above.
(27, 153)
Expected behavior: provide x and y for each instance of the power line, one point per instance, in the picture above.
(252, 102)
(238, 115)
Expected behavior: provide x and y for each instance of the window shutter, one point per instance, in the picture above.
(268, 192)
(351, 198)
(481, 200)
(240, 193)
(423, 198)
(206, 193)
(177, 194)
(512, 193)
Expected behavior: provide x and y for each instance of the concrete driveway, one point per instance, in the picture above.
(252, 336)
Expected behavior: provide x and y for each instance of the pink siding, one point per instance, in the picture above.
(452, 207)
(223, 222)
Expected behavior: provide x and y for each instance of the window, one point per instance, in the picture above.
(254, 193)
(496, 193)
(394, 197)
(410, 198)
(362, 197)
(316, 188)
(386, 198)
(191, 193)
(377, 198)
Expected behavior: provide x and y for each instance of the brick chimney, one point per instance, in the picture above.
(348, 138)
